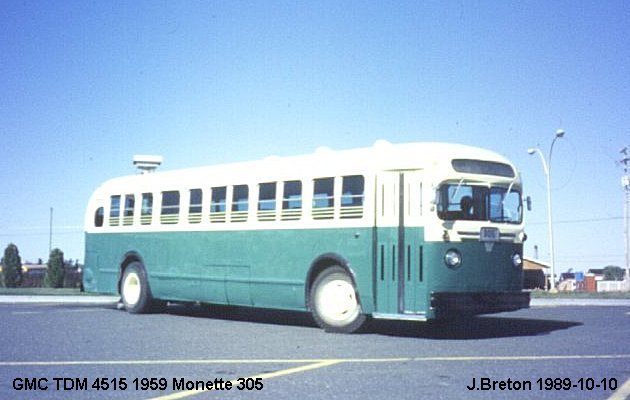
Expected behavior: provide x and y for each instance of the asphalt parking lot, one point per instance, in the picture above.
(92, 350)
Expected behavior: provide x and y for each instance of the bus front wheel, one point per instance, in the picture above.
(134, 289)
(334, 302)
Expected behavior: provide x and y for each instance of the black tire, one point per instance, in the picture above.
(135, 292)
(334, 302)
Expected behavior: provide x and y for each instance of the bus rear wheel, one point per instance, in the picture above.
(134, 290)
(334, 302)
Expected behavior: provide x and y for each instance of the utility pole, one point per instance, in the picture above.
(50, 232)
(625, 183)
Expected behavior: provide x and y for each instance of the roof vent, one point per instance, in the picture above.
(147, 164)
(382, 144)
(323, 150)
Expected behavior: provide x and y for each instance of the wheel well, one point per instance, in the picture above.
(319, 265)
(129, 258)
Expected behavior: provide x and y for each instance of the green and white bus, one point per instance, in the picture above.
(414, 231)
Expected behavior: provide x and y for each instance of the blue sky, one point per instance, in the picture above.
(84, 85)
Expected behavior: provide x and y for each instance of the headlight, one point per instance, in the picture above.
(453, 258)
(517, 261)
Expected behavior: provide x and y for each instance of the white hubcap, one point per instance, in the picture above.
(336, 302)
(131, 288)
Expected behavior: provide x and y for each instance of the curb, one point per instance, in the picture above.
(53, 299)
(111, 300)
(579, 302)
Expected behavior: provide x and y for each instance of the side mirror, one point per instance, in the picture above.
(528, 201)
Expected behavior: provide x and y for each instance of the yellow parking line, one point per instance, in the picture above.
(163, 362)
(311, 360)
(524, 358)
(288, 371)
(26, 312)
(623, 393)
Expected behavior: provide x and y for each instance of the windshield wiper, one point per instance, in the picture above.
(459, 185)
(509, 189)
(503, 217)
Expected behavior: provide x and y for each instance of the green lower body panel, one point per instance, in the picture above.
(259, 268)
(395, 271)
(409, 272)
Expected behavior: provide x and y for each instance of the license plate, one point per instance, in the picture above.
(489, 235)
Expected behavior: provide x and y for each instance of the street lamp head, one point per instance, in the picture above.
(531, 151)
(560, 133)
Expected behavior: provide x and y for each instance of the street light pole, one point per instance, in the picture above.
(547, 169)
(625, 183)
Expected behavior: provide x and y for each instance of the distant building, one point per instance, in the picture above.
(33, 275)
(595, 281)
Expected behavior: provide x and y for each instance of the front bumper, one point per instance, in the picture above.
(449, 304)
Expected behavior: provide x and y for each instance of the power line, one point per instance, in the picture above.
(40, 231)
(578, 221)
(590, 258)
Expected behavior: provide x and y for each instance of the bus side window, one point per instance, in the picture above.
(114, 211)
(267, 201)
(194, 209)
(147, 208)
(128, 212)
(240, 205)
(170, 207)
(292, 201)
(352, 196)
(99, 216)
(217, 204)
(323, 198)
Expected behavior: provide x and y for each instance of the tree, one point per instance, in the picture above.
(12, 266)
(55, 271)
(613, 273)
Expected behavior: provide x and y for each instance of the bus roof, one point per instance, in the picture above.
(382, 156)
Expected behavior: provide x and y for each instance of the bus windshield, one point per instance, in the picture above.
(461, 201)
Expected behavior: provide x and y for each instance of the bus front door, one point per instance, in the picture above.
(400, 287)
